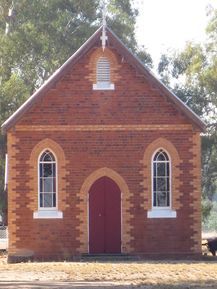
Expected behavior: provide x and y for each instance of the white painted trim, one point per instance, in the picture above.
(6, 171)
(47, 214)
(170, 178)
(162, 213)
(99, 86)
(38, 164)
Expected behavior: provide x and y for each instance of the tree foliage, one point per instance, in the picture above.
(36, 37)
(44, 33)
(192, 75)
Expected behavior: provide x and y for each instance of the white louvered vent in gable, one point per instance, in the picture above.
(103, 81)
(103, 70)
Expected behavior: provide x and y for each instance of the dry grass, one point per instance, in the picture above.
(148, 274)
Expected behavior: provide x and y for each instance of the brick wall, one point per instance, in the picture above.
(96, 133)
(73, 101)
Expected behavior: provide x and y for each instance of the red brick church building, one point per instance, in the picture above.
(103, 158)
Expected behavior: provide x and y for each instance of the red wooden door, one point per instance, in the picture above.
(104, 217)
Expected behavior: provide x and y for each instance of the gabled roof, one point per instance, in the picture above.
(115, 42)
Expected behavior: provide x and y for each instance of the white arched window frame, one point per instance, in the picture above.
(161, 179)
(103, 74)
(47, 181)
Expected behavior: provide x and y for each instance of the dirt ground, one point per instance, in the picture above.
(131, 274)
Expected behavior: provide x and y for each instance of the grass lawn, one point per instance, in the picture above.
(139, 274)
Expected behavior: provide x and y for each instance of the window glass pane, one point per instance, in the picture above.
(154, 200)
(41, 185)
(166, 156)
(54, 200)
(47, 180)
(48, 184)
(155, 184)
(41, 200)
(168, 184)
(54, 185)
(47, 158)
(161, 169)
(161, 179)
(48, 202)
(161, 184)
(168, 169)
(155, 169)
(40, 169)
(54, 169)
(168, 199)
(160, 156)
(52, 157)
(42, 157)
(162, 199)
(47, 170)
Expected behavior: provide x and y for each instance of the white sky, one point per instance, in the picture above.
(164, 24)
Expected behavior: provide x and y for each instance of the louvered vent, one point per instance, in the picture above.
(103, 71)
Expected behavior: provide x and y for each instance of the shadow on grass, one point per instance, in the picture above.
(210, 284)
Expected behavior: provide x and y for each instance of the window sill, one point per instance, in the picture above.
(161, 213)
(109, 86)
(47, 214)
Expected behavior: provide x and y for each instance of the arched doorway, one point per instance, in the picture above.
(104, 217)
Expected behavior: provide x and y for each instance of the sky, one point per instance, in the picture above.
(166, 24)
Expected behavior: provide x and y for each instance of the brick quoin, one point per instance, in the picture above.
(95, 133)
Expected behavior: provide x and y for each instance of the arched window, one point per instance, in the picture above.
(161, 179)
(47, 180)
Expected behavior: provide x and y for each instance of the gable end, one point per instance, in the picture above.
(113, 41)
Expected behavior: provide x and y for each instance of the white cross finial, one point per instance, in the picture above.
(104, 16)
(104, 37)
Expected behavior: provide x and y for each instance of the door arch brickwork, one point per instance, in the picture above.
(126, 237)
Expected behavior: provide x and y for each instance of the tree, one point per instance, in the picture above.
(192, 75)
(36, 37)
(44, 33)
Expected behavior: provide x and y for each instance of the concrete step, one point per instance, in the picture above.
(107, 257)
